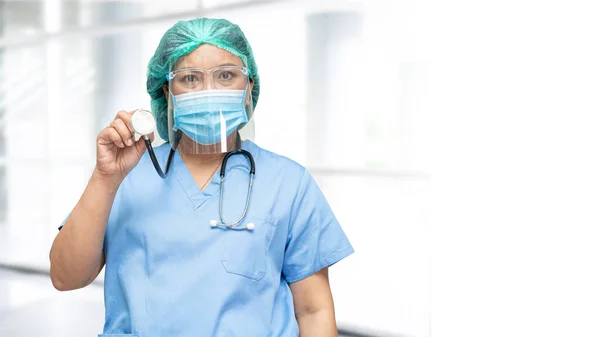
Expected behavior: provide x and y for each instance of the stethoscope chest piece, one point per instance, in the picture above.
(143, 122)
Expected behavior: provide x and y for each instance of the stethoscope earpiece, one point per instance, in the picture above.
(215, 223)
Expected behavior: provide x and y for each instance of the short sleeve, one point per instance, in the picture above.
(63, 222)
(315, 238)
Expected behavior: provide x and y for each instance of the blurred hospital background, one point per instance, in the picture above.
(68, 66)
(457, 142)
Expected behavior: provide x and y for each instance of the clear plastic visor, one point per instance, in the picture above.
(209, 107)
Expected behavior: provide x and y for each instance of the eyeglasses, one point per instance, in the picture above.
(194, 79)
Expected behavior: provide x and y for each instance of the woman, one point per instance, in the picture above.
(177, 262)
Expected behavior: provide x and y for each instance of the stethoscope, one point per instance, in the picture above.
(144, 124)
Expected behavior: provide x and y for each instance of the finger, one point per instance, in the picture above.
(125, 116)
(114, 136)
(126, 135)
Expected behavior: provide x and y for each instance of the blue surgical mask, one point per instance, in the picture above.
(205, 115)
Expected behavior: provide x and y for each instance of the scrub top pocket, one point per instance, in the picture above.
(245, 251)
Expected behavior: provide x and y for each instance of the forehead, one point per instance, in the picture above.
(207, 56)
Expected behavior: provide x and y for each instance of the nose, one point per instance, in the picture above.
(207, 82)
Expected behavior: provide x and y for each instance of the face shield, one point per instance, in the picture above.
(208, 108)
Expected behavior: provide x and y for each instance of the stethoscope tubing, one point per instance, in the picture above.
(222, 187)
(223, 223)
(155, 161)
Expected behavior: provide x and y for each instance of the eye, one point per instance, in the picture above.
(226, 75)
(189, 78)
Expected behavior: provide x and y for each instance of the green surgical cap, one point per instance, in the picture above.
(180, 40)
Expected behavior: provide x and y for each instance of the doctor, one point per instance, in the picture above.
(199, 253)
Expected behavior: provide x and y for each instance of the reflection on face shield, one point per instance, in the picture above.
(209, 105)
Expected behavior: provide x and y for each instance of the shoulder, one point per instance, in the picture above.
(275, 164)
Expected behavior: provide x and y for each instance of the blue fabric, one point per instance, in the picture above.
(169, 273)
(199, 114)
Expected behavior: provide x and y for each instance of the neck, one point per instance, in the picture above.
(202, 159)
(205, 159)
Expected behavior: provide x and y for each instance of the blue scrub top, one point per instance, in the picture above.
(169, 273)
